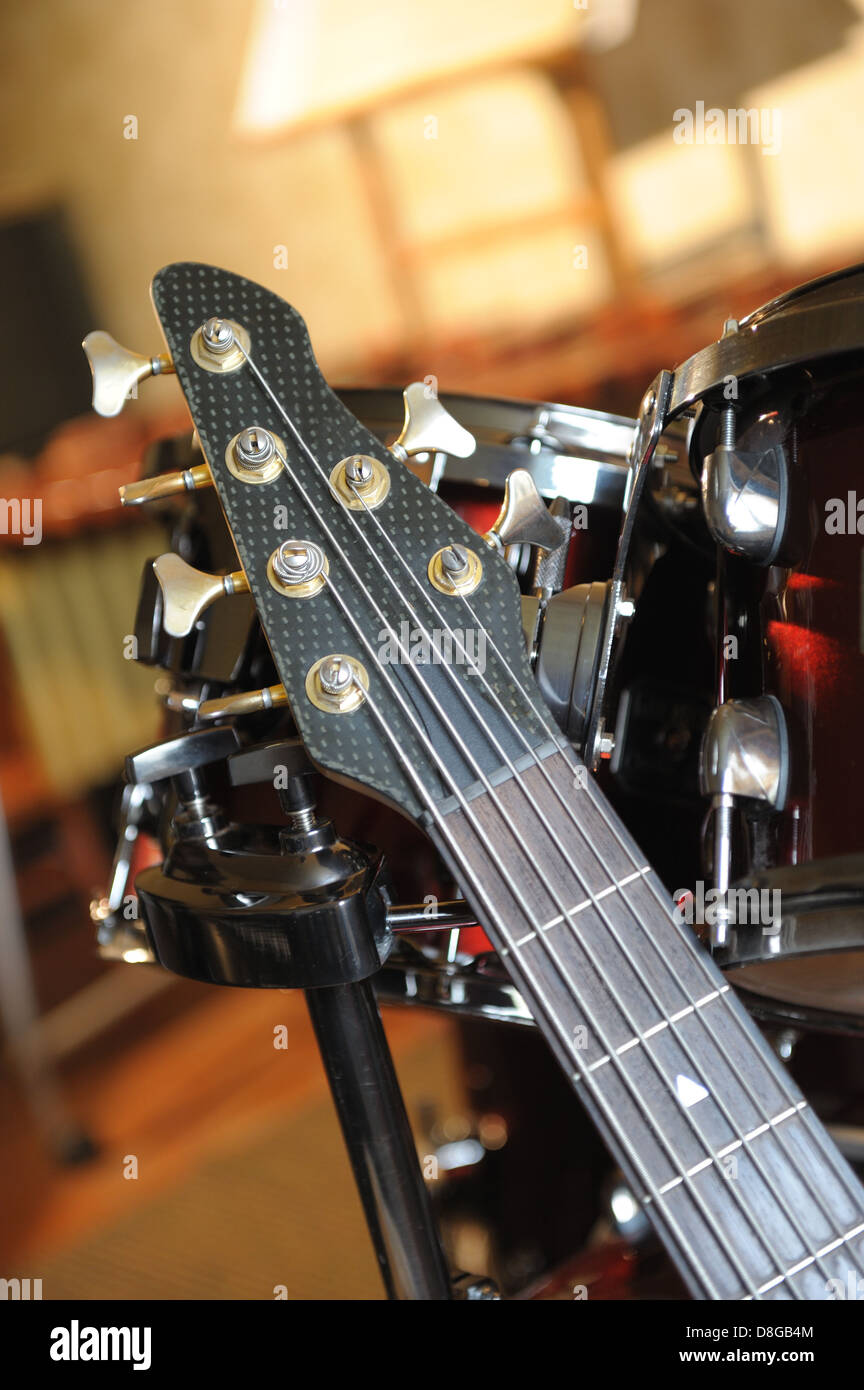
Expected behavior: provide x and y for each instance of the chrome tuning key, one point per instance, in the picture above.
(186, 592)
(524, 518)
(429, 428)
(117, 371)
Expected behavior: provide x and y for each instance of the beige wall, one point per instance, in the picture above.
(191, 186)
(187, 188)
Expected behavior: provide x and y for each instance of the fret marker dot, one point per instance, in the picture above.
(689, 1092)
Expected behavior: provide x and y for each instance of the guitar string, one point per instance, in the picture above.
(634, 1158)
(759, 1107)
(704, 963)
(757, 1163)
(667, 1014)
(757, 1103)
(751, 1217)
(631, 1156)
(822, 1140)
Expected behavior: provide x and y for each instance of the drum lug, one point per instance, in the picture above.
(745, 754)
(745, 751)
(745, 496)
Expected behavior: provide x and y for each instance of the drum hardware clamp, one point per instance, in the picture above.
(653, 416)
(745, 495)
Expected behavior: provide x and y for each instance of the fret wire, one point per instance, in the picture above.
(697, 1129)
(521, 784)
(738, 1143)
(826, 1250)
(619, 1004)
(706, 1023)
(829, 1151)
(610, 1118)
(735, 1011)
(664, 1023)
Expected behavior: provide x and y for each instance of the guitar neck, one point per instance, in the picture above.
(738, 1176)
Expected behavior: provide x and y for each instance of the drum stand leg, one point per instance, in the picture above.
(378, 1137)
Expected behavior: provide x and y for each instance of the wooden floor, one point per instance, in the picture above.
(191, 1075)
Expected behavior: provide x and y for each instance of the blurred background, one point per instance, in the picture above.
(508, 196)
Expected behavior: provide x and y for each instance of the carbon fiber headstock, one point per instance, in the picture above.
(376, 603)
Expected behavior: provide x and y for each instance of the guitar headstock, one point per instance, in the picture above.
(352, 562)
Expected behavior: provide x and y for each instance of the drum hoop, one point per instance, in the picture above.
(790, 339)
(810, 288)
(570, 451)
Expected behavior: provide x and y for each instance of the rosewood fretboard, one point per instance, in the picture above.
(745, 1187)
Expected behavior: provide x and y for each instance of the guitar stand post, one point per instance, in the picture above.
(296, 908)
(378, 1138)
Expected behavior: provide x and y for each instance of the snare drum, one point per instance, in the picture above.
(778, 442)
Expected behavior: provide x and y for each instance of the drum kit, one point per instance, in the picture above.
(693, 613)
(759, 440)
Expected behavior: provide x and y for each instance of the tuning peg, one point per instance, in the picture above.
(117, 371)
(429, 428)
(524, 518)
(165, 485)
(249, 702)
(186, 592)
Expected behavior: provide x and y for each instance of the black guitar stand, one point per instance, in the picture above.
(295, 907)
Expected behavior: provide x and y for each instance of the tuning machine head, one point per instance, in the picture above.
(524, 518)
(117, 371)
(186, 592)
(429, 428)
